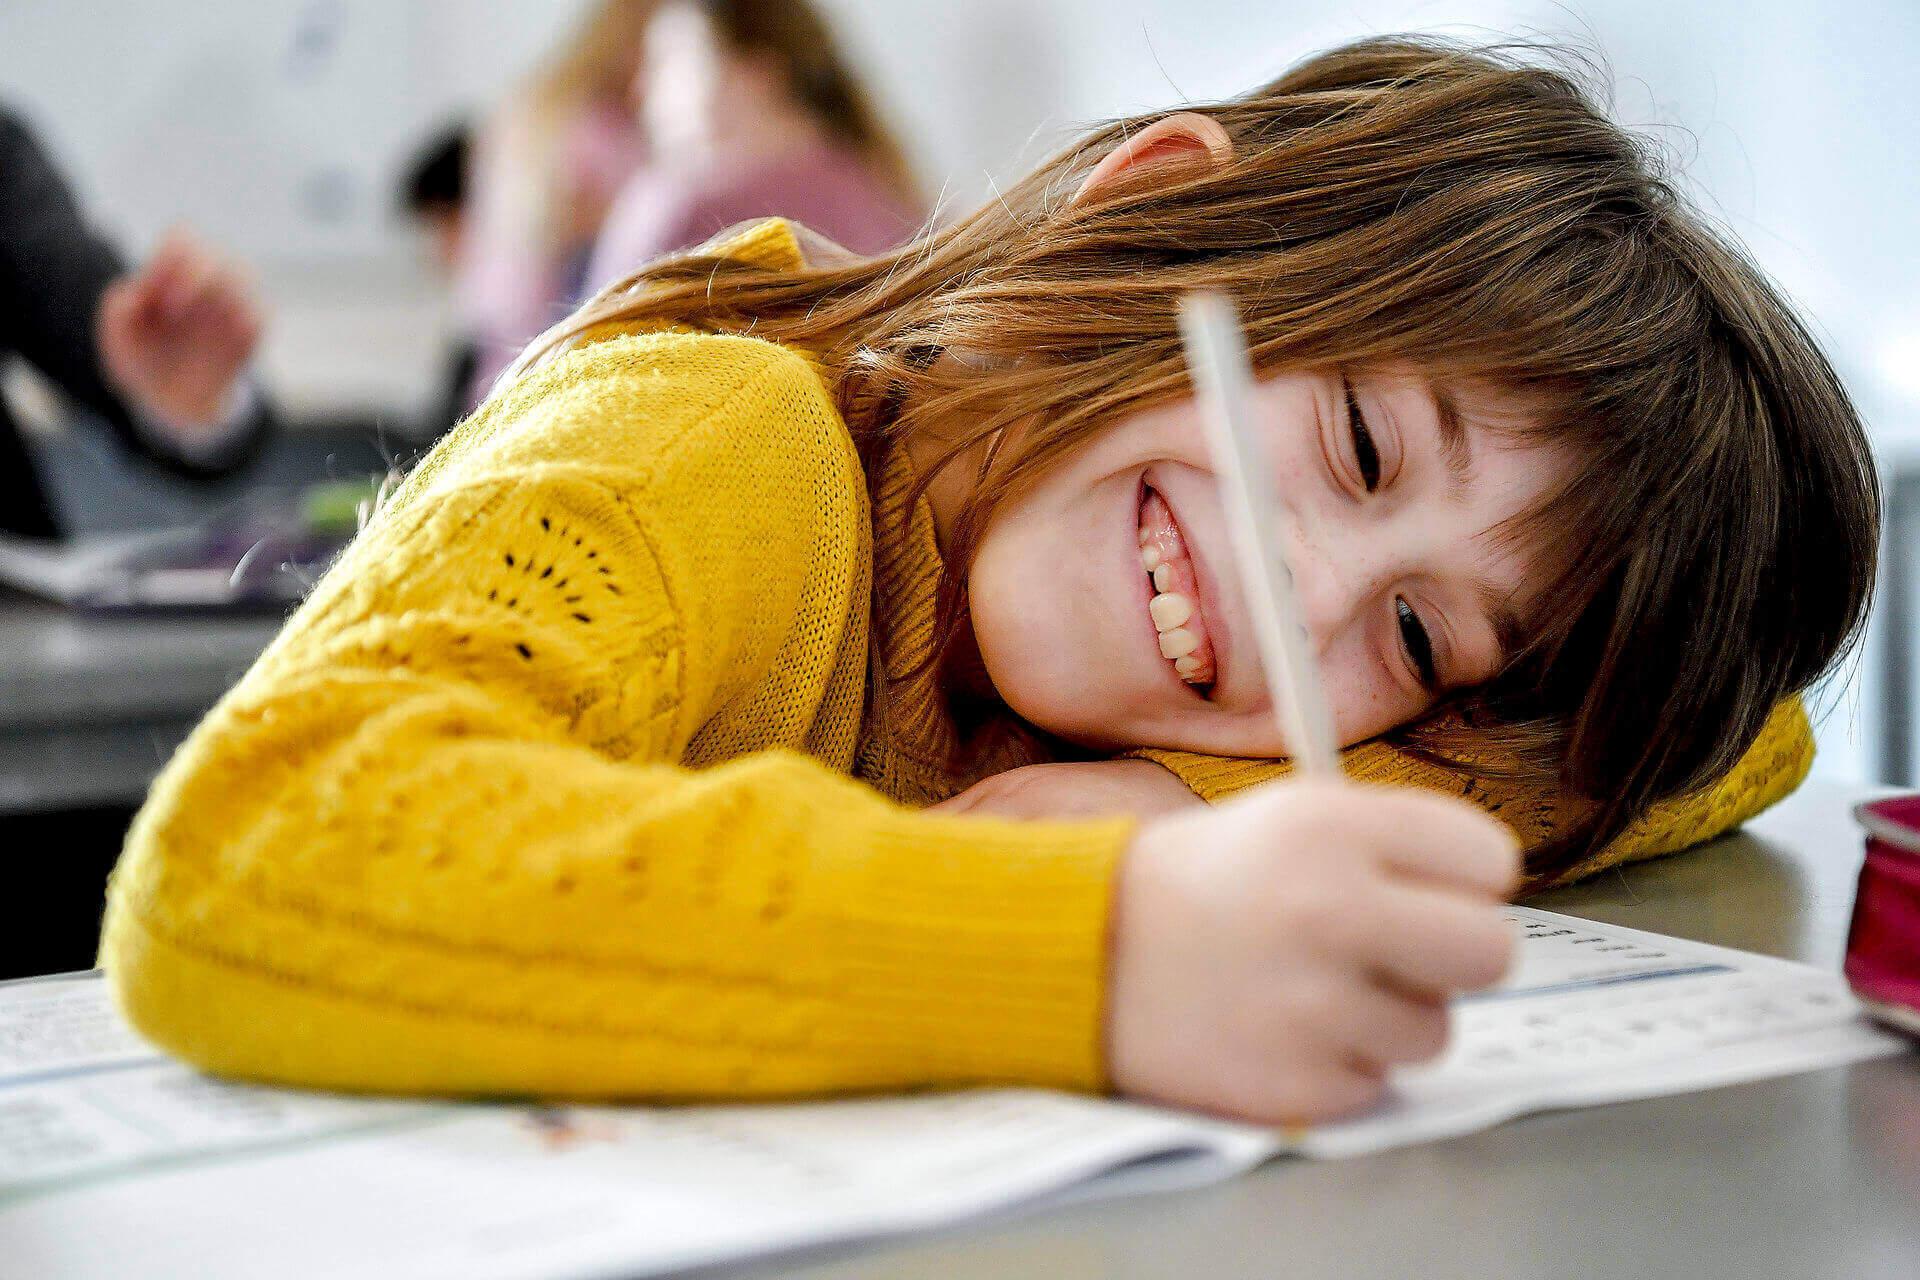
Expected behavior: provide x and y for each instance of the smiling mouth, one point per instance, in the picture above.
(1175, 604)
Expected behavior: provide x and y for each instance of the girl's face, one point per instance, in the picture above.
(1086, 584)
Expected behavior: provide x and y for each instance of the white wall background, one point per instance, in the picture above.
(276, 128)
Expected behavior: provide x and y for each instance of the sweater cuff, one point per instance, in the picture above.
(974, 950)
(1214, 778)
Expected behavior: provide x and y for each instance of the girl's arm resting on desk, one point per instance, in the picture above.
(765, 927)
(438, 839)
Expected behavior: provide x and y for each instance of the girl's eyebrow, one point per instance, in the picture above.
(1456, 450)
(1496, 603)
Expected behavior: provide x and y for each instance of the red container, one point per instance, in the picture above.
(1883, 946)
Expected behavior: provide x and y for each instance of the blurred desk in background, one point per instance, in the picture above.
(91, 705)
(1897, 660)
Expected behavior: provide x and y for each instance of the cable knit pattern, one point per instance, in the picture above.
(563, 781)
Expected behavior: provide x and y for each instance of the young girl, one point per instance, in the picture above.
(619, 755)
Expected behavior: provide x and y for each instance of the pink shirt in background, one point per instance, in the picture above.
(518, 270)
(826, 188)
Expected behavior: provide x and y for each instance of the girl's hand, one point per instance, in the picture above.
(1272, 956)
(1089, 789)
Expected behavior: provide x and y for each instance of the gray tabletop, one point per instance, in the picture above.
(1812, 1175)
(91, 705)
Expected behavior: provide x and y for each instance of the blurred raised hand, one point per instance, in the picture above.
(176, 335)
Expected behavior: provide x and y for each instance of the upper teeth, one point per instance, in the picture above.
(1171, 611)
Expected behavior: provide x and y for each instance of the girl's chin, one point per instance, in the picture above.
(1056, 708)
(1066, 717)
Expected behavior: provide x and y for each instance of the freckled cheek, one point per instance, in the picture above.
(1365, 699)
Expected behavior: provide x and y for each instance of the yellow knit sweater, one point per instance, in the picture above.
(563, 781)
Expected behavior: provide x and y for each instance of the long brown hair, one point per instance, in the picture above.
(1471, 212)
(794, 35)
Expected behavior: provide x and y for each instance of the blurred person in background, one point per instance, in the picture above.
(433, 194)
(545, 167)
(749, 110)
(160, 354)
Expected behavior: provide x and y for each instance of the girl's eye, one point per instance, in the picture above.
(1414, 639)
(1364, 452)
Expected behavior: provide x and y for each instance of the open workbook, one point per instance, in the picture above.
(116, 1161)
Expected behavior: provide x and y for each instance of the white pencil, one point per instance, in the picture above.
(1217, 353)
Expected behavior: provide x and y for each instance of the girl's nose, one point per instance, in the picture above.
(1328, 583)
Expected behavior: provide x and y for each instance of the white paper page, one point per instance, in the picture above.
(199, 1177)
(1597, 1013)
(211, 1179)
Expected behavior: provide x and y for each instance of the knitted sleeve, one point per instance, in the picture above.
(1773, 766)
(442, 838)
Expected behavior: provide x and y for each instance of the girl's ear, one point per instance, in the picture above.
(1187, 138)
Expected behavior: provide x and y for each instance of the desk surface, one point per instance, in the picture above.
(91, 705)
(66, 666)
(1815, 1175)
